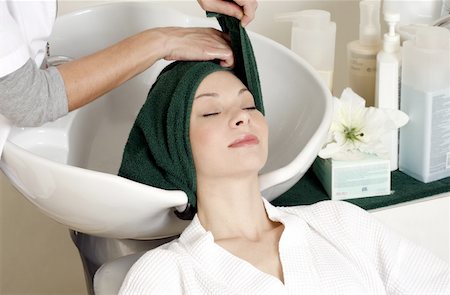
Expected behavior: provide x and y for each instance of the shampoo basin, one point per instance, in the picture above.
(68, 168)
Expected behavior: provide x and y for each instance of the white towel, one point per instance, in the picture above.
(5, 127)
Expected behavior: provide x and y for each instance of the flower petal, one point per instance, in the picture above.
(329, 150)
(350, 98)
(356, 131)
(398, 117)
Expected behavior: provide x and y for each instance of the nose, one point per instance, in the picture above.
(239, 118)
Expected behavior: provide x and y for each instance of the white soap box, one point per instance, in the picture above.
(354, 179)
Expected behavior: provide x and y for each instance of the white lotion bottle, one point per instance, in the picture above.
(425, 98)
(362, 53)
(313, 38)
(413, 14)
(387, 82)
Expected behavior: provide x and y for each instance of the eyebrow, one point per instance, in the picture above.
(214, 94)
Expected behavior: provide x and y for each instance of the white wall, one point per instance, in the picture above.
(36, 253)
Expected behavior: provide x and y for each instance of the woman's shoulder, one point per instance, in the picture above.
(328, 209)
(168, 251)
(340, 217)
(157, 259)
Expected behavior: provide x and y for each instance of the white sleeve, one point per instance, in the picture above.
(13, 49)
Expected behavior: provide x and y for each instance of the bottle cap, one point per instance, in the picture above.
(392, 19)
(369, 23)
(391, 41)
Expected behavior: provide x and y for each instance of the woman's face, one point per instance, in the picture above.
(228, 135)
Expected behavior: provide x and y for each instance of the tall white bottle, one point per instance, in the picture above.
(313, 37)
(425, 97)
(362, 53)
(387, 82)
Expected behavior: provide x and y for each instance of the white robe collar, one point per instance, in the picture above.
(214, 259)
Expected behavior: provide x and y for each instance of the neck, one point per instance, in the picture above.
(232, 208)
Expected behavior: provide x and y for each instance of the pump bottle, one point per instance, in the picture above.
(313, 38)
(387, 82)
(362, 53)
(425, 98)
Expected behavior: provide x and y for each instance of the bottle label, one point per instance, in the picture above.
(365, 65)
(448, 161)
(440, 130)
(425, 139)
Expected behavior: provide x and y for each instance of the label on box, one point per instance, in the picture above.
(354, 179)
(361, 181)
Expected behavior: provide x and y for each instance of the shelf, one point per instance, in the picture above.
(309, 190)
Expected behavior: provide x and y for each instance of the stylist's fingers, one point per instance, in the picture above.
(197, 44)
(222, 6)
(249, 10)
(244, 10)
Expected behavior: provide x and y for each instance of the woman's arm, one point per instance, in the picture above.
(94, 75)
(31, 96)
(49, 94)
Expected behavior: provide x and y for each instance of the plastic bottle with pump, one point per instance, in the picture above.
(425, 98)
(387, 82)
(362, 53)
(414, 14)
(313, 38)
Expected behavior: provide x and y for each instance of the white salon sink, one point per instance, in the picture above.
(68, 168)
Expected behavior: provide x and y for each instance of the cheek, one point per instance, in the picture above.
(201, 136)
(263, 128)
(204, 143)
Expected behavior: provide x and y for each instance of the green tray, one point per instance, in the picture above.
(308, 190)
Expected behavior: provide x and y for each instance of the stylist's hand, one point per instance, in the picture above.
(244, 10)
(197, 44)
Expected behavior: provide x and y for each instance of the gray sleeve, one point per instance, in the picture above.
(32, 97)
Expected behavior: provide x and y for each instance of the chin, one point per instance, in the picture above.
(249, 164)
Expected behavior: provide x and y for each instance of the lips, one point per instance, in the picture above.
(244, 140)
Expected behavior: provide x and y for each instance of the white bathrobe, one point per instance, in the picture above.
(327, 248)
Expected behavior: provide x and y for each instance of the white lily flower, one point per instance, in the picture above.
(356, 131)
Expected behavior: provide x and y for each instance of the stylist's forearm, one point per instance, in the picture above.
(94, 75)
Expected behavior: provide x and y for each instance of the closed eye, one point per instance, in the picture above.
(250, 108)
(210, 114)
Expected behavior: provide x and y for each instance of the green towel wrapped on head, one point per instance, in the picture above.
(158, 151)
